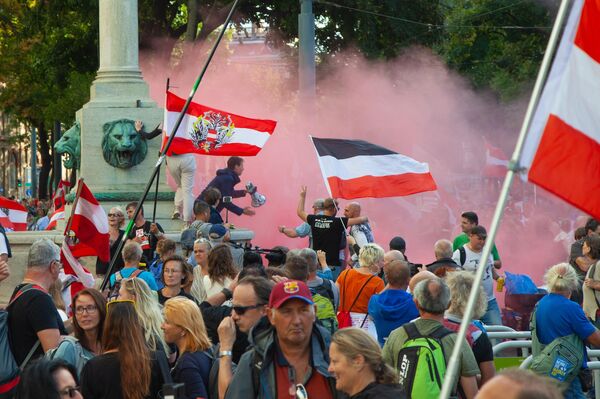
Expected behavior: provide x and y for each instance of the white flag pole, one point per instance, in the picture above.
(513, 167)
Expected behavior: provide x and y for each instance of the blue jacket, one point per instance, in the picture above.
(390, 310)
(193, 370)
(225, 180)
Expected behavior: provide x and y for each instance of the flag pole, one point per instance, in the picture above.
(158, 174)
(513, 167)
(167, 145)
(74, 207)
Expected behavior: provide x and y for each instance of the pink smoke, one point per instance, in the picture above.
(413, 105)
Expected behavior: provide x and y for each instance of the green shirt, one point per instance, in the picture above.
(467, 364)
(463, 238)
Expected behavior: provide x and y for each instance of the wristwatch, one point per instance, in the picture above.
(227, 292)
(225, 353)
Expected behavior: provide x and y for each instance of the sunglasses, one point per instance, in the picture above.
(240, 310)
(70, 391)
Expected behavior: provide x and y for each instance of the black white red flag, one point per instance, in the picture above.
(359, 169)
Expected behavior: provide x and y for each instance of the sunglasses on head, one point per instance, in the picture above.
(240, 310)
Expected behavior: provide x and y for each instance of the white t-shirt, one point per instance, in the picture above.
(213, 288)
(472, 262)
(3, 248)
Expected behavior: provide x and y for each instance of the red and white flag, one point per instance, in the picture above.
(358, 169)
(5, 221)
(562, 150)
(58, 214)
(496, 161)
(17, 214)
(209, 131)
(59, 194)
(76, 275)
(89, 223)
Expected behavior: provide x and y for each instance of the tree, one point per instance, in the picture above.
(49, 57)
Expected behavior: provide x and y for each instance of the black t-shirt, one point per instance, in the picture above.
(32, 312)
(150, 240)
(162, 299)
(327, 233)
(102, 268)
(101, 378)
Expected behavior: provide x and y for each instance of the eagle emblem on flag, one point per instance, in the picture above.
(211, 130)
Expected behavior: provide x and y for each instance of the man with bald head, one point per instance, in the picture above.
(394, 306)
(361, 233)
(417, 278)
(519, 384)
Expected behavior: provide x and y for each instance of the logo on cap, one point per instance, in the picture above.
(291, 287)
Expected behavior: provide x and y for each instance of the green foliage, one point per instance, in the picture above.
(480, 45)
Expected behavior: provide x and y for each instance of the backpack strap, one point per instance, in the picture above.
(463, 255)
(359, 292)
(136, 273)
(24, 289)
(411, 331)
(440, 332)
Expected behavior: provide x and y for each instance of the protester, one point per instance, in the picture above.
(317, 284)
(398, 244)
(225, 181)
(127, 369)
(393, 307)
(290, 352)
(250, 299)
(469, 257)
(515, 383)
(468, 220)
(220, 235)
(33, 321)
(132, 254)
(144, 232)
(432, 298)
(200, 227)
(212, 196)
(359, 369)
(202, 247)
(116, 220)
(461, 284)
(296, 267)
(221, 270)
(580, 262)
(328, 231)
(173, 277)
(303, 230)
(357, 286)
(48, 379)
(182, 168)
(323, 271)
(164, 249)
(88, 322)
(361, 233)
(148, 310)
(417, 278)
(558, 318)
(183, 326)
(443, 259)
(591, 284)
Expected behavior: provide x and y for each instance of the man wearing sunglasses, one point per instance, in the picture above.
(289, 358)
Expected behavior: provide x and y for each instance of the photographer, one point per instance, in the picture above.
(225, 181)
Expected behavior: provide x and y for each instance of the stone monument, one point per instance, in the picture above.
(115, 162)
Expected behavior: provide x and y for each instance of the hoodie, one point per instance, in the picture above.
(390, 310)
(225, 180)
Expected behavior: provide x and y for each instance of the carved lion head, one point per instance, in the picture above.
(69, 145)
(122, 146)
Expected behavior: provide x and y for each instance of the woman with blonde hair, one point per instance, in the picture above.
(556, 316)
(357, 364)
(126, 369)
(148, 309)
(460, 284)
(116, 221)
(184, 327)
(221, 270)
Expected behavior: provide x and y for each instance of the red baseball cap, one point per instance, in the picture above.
(289, 289)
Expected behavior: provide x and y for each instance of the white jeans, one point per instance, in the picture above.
(182, 169)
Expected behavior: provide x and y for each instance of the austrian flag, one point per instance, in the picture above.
(209, 131)
(358, 169)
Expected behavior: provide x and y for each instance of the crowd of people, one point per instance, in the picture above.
(339, 318)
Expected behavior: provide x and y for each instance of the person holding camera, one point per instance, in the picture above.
(225, 181)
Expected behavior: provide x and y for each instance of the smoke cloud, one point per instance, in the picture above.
(413, 105)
